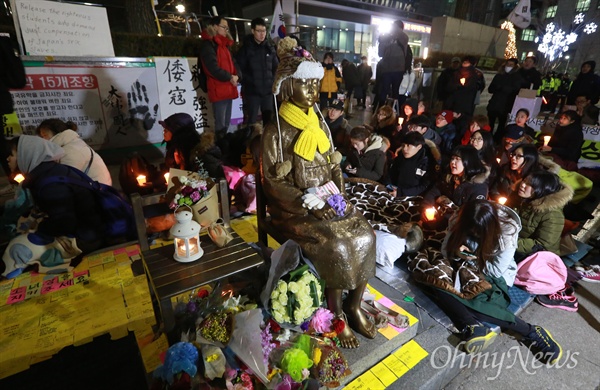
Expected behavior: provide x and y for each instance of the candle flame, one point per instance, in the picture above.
(19, 178)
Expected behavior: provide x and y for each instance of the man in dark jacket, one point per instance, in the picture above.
(392, 50)
(532, 78)
(364, 73)
(587, 83)
(462, 90)
(351, 81)
(258, 61)
(444, 78)
(504, 89)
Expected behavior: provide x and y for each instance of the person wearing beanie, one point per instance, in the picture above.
(181, 137)
(222, 73)
(587, 83)
(299, 165)
(446, 130)
(504, 89)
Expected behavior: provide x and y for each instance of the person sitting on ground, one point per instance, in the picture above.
(339, 127)
(513, 135)
(524, 160)
(482, 238)
(446, 130)
(586, 110)
(386, 125)
(466, 180)
(77, 153)
(181, 137)
(70, 210)
(566, 142)
(479, 122)
(415, 168)
(539, 202)
(409, 109)
(421, 124)
(366, 159)
(483, 141)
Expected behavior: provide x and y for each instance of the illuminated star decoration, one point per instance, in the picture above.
(578, 19)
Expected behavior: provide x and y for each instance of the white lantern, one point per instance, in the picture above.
(186, 235)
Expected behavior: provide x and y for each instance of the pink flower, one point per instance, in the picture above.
(195, 196)
(321, 321)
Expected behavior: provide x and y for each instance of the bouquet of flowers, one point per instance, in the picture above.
(189, 191)
(296, 299)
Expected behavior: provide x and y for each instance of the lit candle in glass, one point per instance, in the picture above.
(502, 200)
(547, 140)
(141, 179)
(400, 121)
(19, 178)
(430, 214)
(167, 177)
(462, 81)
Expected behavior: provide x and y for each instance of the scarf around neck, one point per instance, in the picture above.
(312, 137)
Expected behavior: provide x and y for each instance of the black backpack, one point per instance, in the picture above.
(117, 212)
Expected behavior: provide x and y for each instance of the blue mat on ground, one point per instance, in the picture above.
(582, 250)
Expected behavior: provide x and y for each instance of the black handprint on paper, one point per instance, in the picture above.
(139, 110)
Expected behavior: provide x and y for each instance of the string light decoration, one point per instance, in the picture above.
(511, 45)
(555, 41)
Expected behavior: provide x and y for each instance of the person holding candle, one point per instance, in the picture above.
(386, 125)
(70, 210)
(447, 131)
(566, 142)
(465, 181)
(77, 153)
(413, 171)
(481, 242)
(524, 160)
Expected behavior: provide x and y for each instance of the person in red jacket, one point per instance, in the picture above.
(222, 74)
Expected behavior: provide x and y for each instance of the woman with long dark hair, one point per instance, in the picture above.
(482, 239)
(483, 141)
(524, 160)
(466, 180)
(540, 201)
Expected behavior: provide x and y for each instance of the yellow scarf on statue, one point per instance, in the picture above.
(311, 136)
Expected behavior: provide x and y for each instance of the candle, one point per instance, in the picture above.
(400, 121)
(502, 200)
(141, 179)
(19, 178)
(546, 140)
(430, 214)
(167, 177)
(462, 80)
(498, 159)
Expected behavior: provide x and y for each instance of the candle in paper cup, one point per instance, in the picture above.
(502, 200)
(141, 179)
(19, 178)
(167, 177)
(547, 140)
(430, 213)
(462, 81)
(400, 121)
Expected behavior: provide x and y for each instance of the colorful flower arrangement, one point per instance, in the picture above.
(297, 299)
(190, 192)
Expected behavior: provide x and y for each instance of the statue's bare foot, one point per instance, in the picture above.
(359, 321)
(347, 337)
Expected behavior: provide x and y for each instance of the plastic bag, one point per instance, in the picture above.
(245, 342)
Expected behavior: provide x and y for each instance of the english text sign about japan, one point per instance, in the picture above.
(60, 29)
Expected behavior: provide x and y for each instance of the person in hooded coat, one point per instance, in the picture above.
(366, 159)
(77, 153)
(587, 83)
(71, 210)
